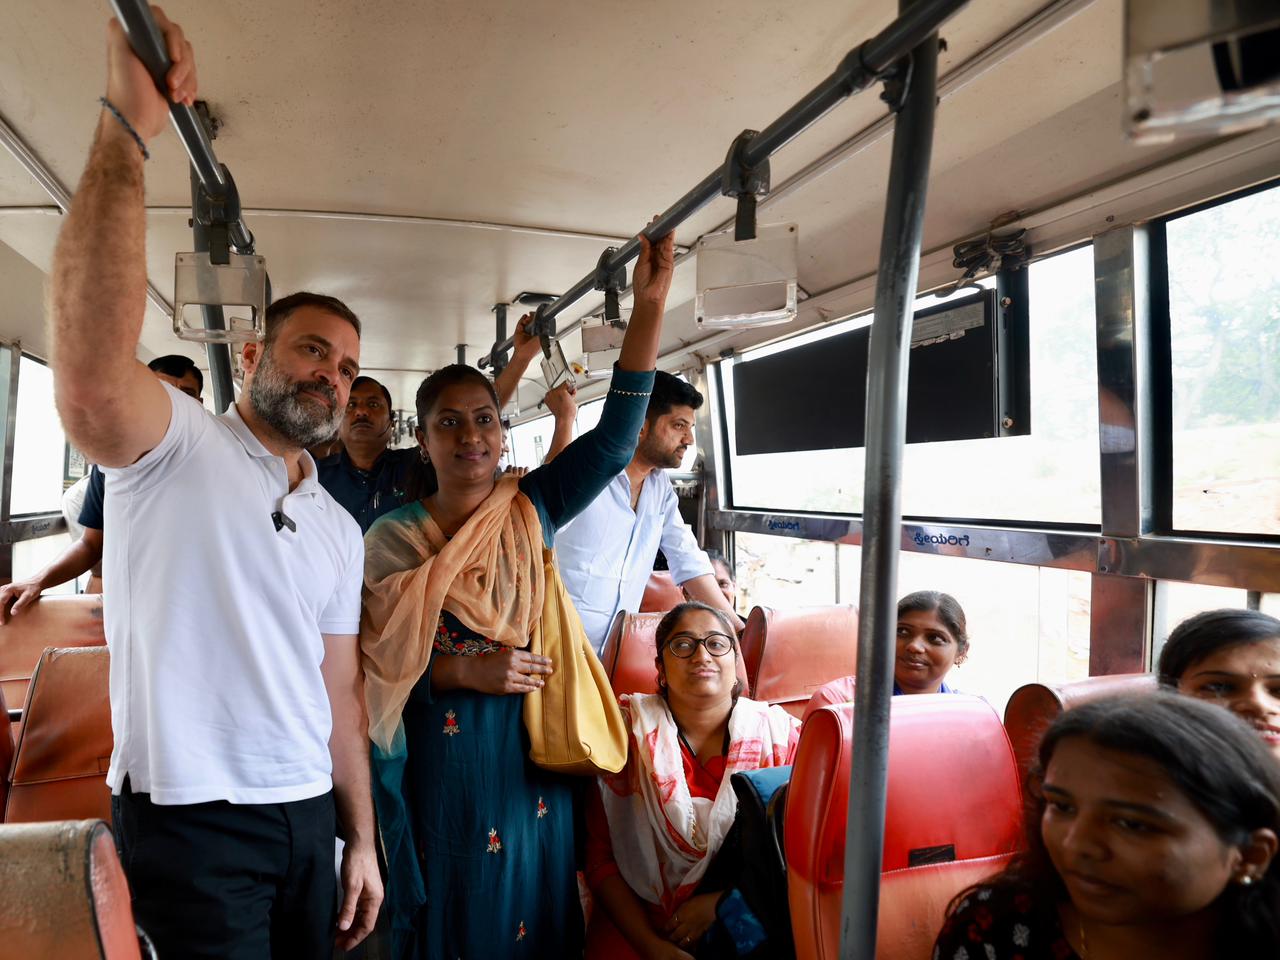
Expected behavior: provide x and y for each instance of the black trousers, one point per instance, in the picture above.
(228, 881)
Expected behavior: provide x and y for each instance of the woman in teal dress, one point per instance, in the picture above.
(479, 841)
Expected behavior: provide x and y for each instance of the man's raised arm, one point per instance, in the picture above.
(112, 408)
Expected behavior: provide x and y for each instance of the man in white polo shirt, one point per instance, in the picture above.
(236, 691)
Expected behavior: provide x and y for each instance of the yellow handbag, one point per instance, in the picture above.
(574, 722)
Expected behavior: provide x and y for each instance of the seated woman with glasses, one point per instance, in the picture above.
(656, 858)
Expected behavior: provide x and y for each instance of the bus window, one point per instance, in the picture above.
(786, 572)
(39, 447)
(529, 442)
(1052, 474)
(1026, 624)
(1175, 601)
(1225, 338)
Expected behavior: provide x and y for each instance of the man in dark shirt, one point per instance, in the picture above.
(365, 477)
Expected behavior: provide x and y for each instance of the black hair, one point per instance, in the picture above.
(1206, 633)
(1214, 759)
(667, 626)
(176, 365)
(670, 391)
(948, 610)
(361, 381)
(715, 556)
(422, 480)
(280, 311)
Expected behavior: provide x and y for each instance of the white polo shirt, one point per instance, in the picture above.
(214, 618)
(606, 553)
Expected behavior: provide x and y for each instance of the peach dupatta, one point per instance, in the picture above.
(489, 575)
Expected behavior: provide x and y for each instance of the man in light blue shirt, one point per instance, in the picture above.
(606, 553)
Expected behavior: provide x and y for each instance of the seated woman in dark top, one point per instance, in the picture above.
(932, 638)
(479, 842)
(1231, 658)
(1154, 836)
(655, 830)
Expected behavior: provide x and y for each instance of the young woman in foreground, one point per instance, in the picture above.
(1154, 836)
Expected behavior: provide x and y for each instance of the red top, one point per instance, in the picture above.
(703, 780)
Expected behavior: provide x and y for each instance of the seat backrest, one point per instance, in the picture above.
(63, 894)
(71, 621)
(630, 651)
(60, 766)
(1033, 707)
(952, 796)
(661, 593)
(791, 653)
(914, 901)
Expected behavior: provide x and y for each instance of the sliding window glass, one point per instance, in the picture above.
(1224, 315)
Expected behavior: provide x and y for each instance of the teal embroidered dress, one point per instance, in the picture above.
(479, 841)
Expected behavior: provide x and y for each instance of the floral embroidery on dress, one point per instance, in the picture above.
(451, 727)
(1021, 935)
(520, 933)
(450, 641)
(495, 844)
(542, 809)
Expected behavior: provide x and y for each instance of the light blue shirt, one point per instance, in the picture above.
(606, 553)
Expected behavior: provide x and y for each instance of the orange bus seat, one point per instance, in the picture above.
(63, 893)
(630, 651)
(791, 653)
(661, 593)
(914, 901)
(60, 766)
(6, 751)
(1034, 706)
(59, 621)
(953, 798)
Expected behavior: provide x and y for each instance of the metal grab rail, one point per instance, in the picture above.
(860, 68)
(886, 425)
(144, 37)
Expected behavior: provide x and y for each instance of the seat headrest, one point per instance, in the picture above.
(62, 892)
(49, 622)
(661, 593)
(791, 653)
(630, 652)
(952, 794)
(1035, 706)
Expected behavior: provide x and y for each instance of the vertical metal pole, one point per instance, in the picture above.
(462, 353)
(219, 354)
(882, 511)
(10, 365)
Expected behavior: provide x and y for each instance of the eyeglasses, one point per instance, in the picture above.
(683, 645)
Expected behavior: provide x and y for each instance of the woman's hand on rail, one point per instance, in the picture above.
(507, 671)
(130, 87)
(651, 279)
(525, 343)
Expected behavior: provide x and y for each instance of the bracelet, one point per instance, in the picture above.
(111, 107)
(630, 393)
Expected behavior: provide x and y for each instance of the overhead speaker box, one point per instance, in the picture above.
(747, 283)
(1200, 67)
